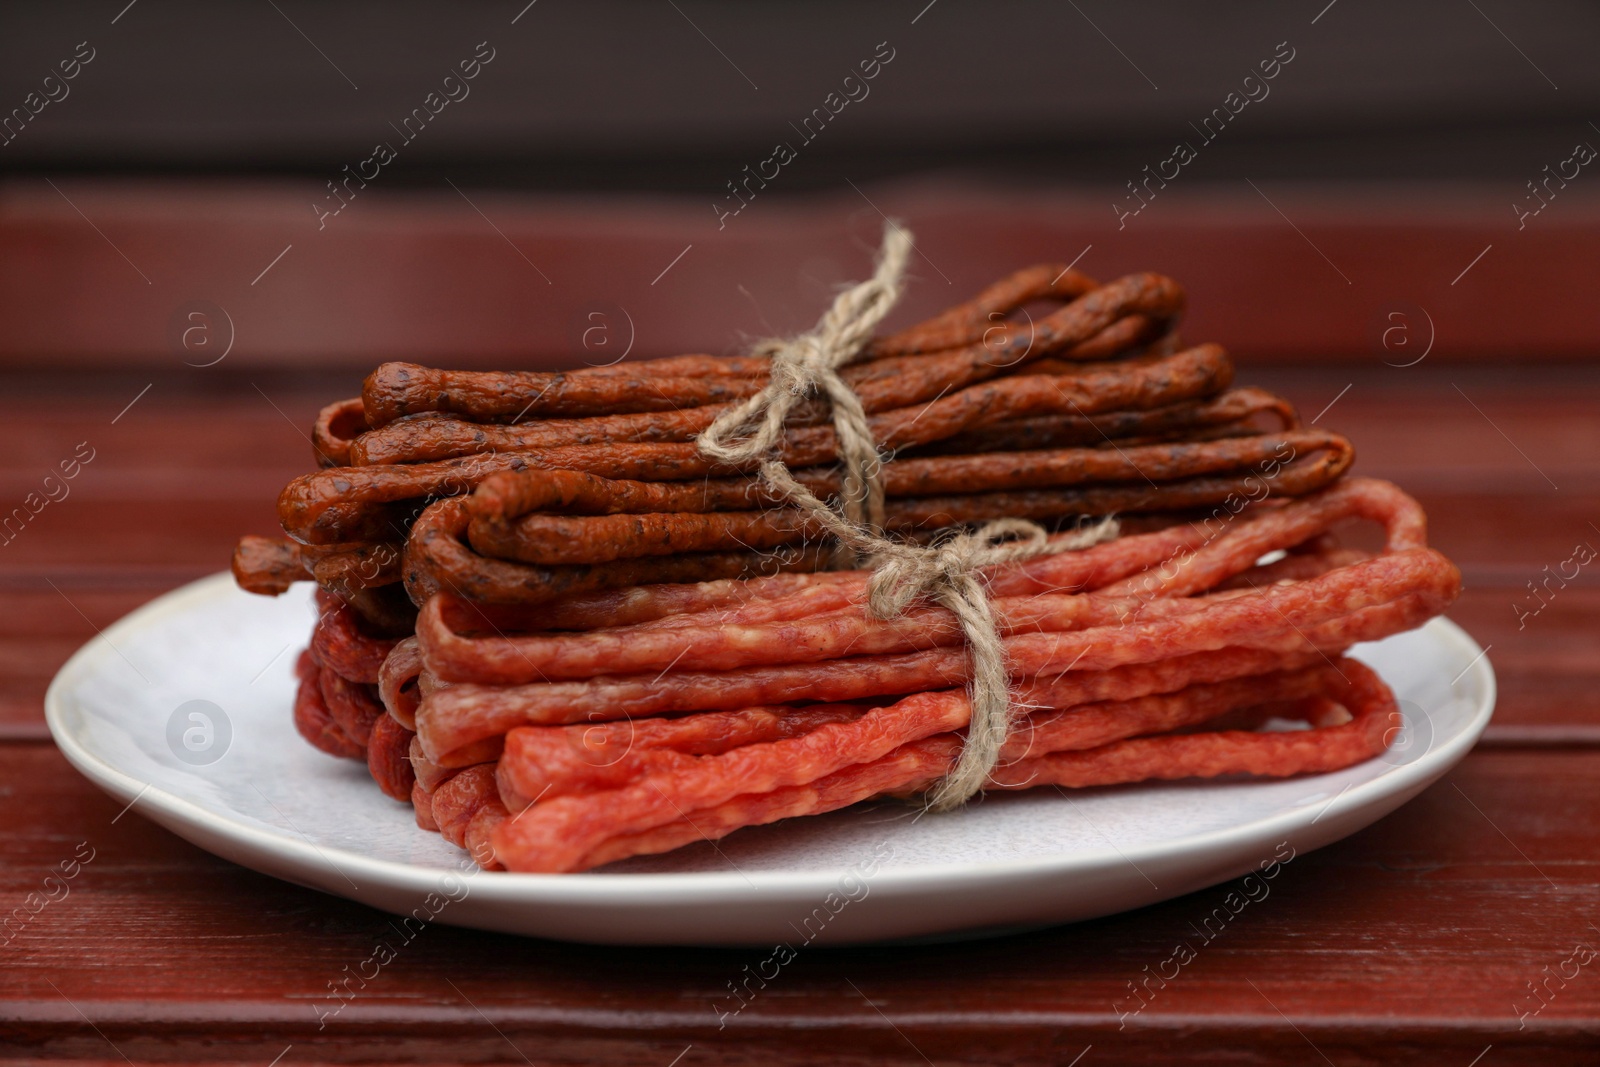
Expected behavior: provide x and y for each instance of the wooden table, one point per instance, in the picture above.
(1418, 941)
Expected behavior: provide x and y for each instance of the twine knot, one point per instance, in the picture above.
(907, 572)
(949, 572)
(810, 363)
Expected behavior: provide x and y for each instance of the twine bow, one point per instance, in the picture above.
(946, 572)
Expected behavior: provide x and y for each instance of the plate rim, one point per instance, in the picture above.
(653, 889)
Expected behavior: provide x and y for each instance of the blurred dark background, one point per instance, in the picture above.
(598, 141)
(656, 96)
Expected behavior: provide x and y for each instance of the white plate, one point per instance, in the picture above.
(873, 872)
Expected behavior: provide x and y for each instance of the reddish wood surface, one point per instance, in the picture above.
(425, 276)
(1412, 942)
(1409, 943)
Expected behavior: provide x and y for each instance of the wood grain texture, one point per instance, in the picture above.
(1412, 942)
(1413, 939)
(424, 276)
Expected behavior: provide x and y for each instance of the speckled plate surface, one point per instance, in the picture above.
(182, 710)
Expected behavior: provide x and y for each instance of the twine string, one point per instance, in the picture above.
(948, 572)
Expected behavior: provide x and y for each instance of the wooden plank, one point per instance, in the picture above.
(424, 276)
(39, 630)
(181, 475)
(1456, 440)
(1413, 942)
(1493, 429)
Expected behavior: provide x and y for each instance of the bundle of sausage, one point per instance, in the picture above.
(982, 412)
(737, 703)
(624, 646)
